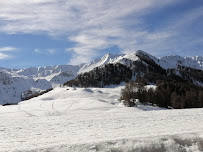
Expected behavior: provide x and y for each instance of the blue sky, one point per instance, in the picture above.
(51, 32)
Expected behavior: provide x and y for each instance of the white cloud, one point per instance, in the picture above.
(37, 51)
(93, 25)
(51, 51)
(4, 56)
(6, 49)
(45, 52)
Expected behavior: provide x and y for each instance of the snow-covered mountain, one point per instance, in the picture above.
(114, 69)
(14, 82)
(166, 62)
(48, 73)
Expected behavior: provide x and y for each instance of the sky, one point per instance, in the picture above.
(36, 33)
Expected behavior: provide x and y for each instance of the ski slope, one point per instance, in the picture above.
(92, 119)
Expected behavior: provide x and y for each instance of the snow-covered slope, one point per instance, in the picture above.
(174, 61)
(11, 88)
(81, 120)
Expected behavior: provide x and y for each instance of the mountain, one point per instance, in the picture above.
(17, 82)
(139, 64)
(110, 69)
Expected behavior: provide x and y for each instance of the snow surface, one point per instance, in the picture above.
(92, 119)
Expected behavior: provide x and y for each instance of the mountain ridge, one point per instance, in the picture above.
(144, 65)
(14, 82)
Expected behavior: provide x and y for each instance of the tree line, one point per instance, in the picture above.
(173, 94)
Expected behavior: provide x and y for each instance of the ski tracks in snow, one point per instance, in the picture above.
(30, 114)
(47, 112)
(69, 107)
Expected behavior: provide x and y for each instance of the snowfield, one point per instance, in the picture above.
(92, 119)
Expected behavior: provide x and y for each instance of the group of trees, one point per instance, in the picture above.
(152, 65)
(30, 94)
(102, 76)
(179, 95)
(191, 73)
(167, 94)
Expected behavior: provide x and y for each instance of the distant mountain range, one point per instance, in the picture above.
(14, 83)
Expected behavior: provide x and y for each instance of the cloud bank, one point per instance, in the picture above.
(96, 25)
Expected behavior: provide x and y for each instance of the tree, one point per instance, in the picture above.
(175, 100)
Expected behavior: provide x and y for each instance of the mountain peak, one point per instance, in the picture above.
(142, 52)
(107, 58)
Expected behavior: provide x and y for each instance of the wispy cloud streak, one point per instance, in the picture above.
(45, 52)
(5, 50)
(96, 25)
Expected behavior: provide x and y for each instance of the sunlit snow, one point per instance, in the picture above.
(92, 119)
